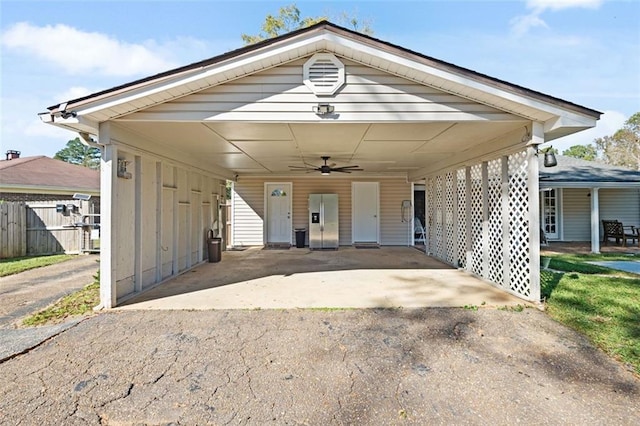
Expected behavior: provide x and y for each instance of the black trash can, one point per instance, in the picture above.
(214, 248)
(301, 234)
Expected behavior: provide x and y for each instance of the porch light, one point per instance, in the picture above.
(549, 157)
(323, 109)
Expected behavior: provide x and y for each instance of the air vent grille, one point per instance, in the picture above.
(324, 74)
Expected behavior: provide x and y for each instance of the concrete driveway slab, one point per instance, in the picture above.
(365, 367)
(300, 278)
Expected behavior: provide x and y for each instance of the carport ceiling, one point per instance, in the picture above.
(270, 148)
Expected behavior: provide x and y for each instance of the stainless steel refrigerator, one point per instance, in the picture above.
(323, 221)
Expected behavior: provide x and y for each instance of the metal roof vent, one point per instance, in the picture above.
(323, 73)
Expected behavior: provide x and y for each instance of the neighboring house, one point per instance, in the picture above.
(171, 140)
(41, 178)
(39, 213)
(576, 195)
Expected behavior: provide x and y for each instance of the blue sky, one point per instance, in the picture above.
(583, 51)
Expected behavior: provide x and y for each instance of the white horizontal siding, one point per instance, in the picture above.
(620, 204)
(576, 214)
(248, 213)
(279, 94)
(615, 204)
(249, 208)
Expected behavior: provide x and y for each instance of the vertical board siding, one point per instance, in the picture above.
(576, 214)
(177, 232)
(248, 202)
(148, 223)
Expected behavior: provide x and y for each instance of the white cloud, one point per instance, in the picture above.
(563, 4)
(520, 25)
(80, 52)
(609, 123)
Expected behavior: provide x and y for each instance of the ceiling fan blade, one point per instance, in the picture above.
(340, 171)
(350, 168)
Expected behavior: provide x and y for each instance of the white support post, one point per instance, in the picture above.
(485, 220)
(159, 236)
(176, 215)
(427, 228)
(595, 221)
(137, 230)
(189, 226)
(108, 211)
(454, 220)
(533, 186)
(504, 202)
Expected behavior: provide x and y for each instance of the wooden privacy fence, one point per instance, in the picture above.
(13, 229)
(46, 227)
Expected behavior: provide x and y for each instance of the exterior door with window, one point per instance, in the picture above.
(278, 213)
(550, 213)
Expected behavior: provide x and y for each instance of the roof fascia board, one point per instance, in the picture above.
(228, 65)
(48, 190)
(587, 185)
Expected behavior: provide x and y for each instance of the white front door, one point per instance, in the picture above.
(365, 212)
(278, 212)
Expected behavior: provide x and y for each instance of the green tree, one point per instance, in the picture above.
(585, 152)
(288, 19)
(623, 147)
(75, 152)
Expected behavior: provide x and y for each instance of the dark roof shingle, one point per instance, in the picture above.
(571, 169)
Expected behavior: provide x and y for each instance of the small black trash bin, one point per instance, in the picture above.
(214, 248)
(301, 234)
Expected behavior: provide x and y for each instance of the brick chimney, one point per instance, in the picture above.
(11, 154)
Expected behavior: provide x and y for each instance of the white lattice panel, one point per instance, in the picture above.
(462, 217)
(475, 213)
(429, 215)
(494, 198)
(519, 239)
(450, 241)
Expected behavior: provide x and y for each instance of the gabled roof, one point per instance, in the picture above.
(48, 174)
(559, 116)
(580, 173)
(325, 25)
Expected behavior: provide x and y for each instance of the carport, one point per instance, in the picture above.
(171, 140)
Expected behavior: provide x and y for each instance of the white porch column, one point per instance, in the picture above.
(108, 237)
(537, 138)
(595, 221)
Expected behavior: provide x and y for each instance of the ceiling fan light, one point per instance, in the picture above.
(325, 173)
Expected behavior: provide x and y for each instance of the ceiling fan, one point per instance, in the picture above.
(326, 169)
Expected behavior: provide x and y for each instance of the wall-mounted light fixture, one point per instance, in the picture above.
(122, 169)
(323, 109)
(549, 157)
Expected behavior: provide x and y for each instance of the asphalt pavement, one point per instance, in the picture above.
(318, 367)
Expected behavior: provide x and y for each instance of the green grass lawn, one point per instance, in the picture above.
(599, 302)
(21, 264)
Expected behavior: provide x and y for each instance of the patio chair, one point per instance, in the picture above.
(615, 229)
(418, 229)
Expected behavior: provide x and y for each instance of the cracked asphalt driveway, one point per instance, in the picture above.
(381, 366)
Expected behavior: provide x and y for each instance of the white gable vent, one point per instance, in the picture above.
(323, 74)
